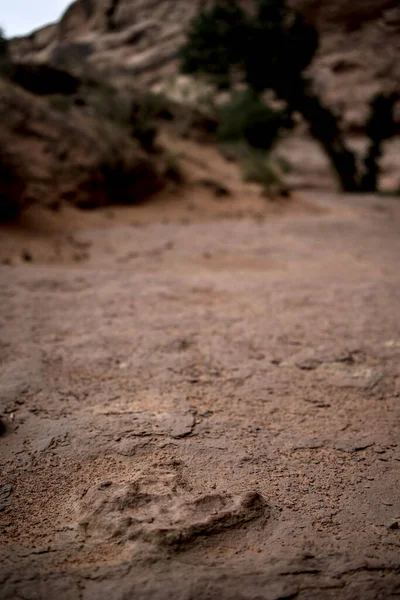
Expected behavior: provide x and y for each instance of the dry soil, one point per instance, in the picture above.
(202, 403)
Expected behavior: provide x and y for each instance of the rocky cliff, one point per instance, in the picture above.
(139, 39)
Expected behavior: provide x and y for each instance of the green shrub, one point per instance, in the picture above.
(143, 125)
(271, 49)
(259, 168)
(127, 176)
(146, 109)
(216, 41)
(172, 168)
(247, 117)
(380, 126)
(116, 178)
(135, 114)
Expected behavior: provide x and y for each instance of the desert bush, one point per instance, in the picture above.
(259, 167)
(380, 126)
(129, 182)
(115, 179)
(122, 174)
(250, 129)
(143, 124)
(247, 117)
(172, 167)
(272, 49)
(215, 42)
(135, 114)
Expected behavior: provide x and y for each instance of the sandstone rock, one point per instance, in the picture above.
(360, 43)
(128, 512)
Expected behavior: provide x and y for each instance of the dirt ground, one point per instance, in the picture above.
(201, 400)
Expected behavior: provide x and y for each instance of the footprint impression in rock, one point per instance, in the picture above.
(127, 512)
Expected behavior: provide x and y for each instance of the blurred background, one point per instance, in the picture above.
(101, 103)
(199, 299)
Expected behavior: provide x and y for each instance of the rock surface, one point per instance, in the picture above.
(207, 405)
(140, 39)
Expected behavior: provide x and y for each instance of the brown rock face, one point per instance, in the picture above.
(344, 13)
(360, 44)
(360, 47)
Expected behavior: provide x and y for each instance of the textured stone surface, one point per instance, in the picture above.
(205, 407)
(358, 56)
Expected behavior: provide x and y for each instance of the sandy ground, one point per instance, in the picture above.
(201, 401)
